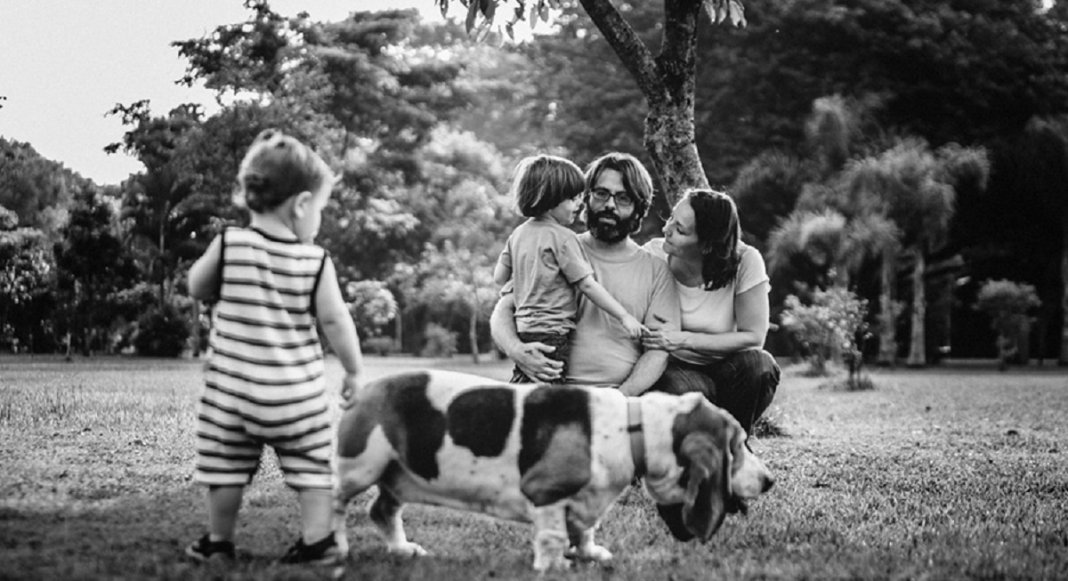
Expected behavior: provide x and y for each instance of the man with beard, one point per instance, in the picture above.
(618, 194)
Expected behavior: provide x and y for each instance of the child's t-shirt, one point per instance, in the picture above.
(544, 260)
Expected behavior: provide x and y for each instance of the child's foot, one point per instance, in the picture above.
(204, 549)
(324, 552)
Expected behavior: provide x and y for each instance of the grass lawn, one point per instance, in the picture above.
(935, 474)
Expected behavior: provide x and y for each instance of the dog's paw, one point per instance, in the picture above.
(595, 553)
(408, 549)
(556, 563)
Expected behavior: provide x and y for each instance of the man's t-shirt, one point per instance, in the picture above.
(601, 351)
(544, 260)
(713, 311)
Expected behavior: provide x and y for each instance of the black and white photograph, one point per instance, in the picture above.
(614, 290)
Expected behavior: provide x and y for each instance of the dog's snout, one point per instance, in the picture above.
(769, 481)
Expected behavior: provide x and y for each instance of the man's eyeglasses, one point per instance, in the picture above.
(622, 198)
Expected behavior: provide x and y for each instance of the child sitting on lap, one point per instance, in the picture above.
(546, 263)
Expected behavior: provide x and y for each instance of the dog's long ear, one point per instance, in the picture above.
(708, 487)
(672, 517)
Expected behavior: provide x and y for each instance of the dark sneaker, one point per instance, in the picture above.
(324, 552)
(204, 548)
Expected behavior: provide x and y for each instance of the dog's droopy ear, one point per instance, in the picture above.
(708, 487)
(672, 516)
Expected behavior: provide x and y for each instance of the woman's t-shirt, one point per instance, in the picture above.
(713, 311)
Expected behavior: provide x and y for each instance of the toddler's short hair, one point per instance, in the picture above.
(541, 182)
(276, 168)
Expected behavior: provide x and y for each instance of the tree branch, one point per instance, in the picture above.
(677, 62)
(632, 52)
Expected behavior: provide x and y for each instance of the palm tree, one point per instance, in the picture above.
(914, 189)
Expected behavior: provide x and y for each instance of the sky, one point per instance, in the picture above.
(64, 64)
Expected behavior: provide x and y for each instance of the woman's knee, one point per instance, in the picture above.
(679, 380)
(755, 367)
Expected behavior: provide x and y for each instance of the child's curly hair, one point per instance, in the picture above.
(276, 168)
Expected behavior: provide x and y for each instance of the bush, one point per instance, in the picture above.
(1007, 304)
(440, 342)
(832, 328)
(378, 345)
(371, 304)
(161, 332)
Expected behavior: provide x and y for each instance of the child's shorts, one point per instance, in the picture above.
(562, 342)
(231, 435)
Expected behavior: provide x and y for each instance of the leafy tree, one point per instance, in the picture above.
(464, 220)
(35, 189)
(156, 203)
(450, 285)
(666, 79)
(1045, 153)
(26, 282)
(914, 189)
(92, 266)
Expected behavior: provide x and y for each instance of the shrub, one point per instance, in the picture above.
(378, 345)
(1007, 304)
(832, 328)
(161, 332)
(440, 342)
(371, 304)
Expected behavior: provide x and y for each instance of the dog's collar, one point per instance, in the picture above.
(634, 429)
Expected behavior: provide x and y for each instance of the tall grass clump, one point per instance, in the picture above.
(22, 408)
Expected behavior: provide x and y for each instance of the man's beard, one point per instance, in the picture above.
(607, 230)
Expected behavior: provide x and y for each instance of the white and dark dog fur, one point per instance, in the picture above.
(557, 456)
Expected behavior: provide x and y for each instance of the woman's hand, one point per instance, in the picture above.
(531, 360)
(665, 340)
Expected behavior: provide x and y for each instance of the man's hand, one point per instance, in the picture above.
(531, 360)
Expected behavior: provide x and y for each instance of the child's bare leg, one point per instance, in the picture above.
(223, 502)
(316, 513)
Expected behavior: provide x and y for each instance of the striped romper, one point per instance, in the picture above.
(264, 381)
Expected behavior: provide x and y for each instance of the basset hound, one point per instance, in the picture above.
(557, 456)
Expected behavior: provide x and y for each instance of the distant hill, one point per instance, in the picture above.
(33, 187)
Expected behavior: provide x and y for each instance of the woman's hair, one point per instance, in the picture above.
(718, 232)
(541, 182)
(636, 180)
(276, 168)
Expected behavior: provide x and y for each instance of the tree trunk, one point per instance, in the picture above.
(667, 82)
(472, 331)
(1062, 359)
(887, 315)
(670, 143)
(917, 347)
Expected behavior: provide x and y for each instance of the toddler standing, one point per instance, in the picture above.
(546, 263)
(264, 382)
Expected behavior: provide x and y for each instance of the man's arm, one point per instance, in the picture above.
(646, 371)
(528, 357)
(664, 313)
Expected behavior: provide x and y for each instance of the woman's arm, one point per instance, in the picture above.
(752, 317)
